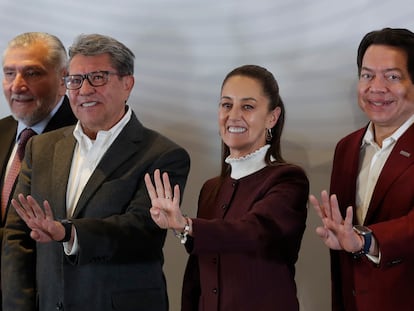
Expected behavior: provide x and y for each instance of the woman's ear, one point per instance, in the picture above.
(274, 116)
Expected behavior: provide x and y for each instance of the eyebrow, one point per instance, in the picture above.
(385, 70)
(243, 99)
(22, 68)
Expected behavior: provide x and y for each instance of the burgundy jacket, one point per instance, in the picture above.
(358, 284)
(246, 241)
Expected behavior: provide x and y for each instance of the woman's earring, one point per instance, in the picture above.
(269, 135)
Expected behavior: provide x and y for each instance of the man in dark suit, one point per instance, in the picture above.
(33, 66)
(81, 197)
(368, 224)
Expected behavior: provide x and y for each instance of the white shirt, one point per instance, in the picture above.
(86, 157)
(372, 160)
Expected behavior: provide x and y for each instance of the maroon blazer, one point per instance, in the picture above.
(246, 242)
(359, 284)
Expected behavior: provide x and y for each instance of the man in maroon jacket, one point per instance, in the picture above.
(368, 220)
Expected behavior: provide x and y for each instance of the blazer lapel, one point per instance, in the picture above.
(401, 157)
(60, 173)
(8, 129)
(124, 146)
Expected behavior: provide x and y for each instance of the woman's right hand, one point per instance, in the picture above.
(165, 210)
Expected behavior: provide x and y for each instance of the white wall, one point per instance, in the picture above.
(183, 50)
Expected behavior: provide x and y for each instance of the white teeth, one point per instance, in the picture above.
(233, 129)
(90, 104)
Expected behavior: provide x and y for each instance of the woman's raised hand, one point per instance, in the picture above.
(165, 209)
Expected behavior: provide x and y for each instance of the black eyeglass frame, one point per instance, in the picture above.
(89, 76)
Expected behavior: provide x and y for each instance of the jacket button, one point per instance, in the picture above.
(224, 206)
(59, 306)
(214, 290)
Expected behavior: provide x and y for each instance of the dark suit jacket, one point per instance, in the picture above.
(119, 264)
(8, 128)
(246, 243)
(358, 284)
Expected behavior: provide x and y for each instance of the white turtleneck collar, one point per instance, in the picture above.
(249, 164)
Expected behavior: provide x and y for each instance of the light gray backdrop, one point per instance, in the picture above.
(183, 50)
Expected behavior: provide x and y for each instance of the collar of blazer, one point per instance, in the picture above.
(400, 159)
(119, 152)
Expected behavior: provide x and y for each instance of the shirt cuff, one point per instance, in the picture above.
(74, 248)
(375, 259)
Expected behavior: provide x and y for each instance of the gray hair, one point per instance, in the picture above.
(57, 53)
(122, 58)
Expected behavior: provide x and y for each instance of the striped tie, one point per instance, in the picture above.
(13, 172)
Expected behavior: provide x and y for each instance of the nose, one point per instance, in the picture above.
(235, 113)
(86, 88)
(378, 84)
(19, 83)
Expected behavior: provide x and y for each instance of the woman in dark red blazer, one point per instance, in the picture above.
(245, 240)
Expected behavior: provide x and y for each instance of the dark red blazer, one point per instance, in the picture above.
(359, 284)
(246, 242)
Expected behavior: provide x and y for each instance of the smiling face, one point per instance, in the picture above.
(244, 115)
(98, 108)
(31, 84)
(385, 91)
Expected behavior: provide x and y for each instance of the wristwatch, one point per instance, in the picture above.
(67, 224)
(366, 233)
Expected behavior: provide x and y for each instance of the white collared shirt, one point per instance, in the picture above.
(372, 160)
(86, 157)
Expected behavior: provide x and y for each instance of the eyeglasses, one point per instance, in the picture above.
(95, 78)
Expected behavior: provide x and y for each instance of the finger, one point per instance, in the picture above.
(20, 210)
(159, 187)
(336, 213)
(326, 204)
(150, 187)
(322, 232)
(35, 235)
(40, 236)
(167, 186)
(25, 206)
(177, 196)
(317, 207)
(348, 217)
(313, 200)
(35, 207)
(155, 211)
(48, 210)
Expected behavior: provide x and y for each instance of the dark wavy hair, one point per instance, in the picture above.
(122, 58)
(270, 89)
(396, 37)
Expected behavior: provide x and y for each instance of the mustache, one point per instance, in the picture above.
(21, 97)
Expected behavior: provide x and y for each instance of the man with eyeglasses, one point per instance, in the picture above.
(33, 66)
(81, 217)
